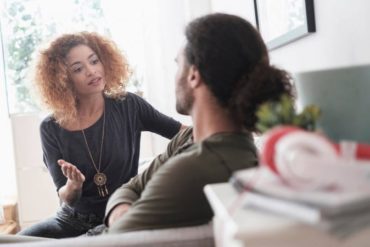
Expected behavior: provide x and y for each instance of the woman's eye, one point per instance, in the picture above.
(77, 70)
(95, 61)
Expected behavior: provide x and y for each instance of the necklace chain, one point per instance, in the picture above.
(101, 145)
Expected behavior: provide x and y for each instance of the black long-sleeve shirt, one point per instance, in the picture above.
(125, 119)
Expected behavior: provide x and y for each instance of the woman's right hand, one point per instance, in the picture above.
(74, 175)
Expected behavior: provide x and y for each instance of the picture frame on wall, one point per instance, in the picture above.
(283, 21)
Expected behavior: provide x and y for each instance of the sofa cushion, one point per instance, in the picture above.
(194, 236)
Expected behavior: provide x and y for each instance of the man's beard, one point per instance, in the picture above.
(184, 97)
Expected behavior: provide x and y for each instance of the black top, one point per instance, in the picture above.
(125, 119)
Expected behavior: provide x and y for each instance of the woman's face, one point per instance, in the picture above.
(86, 71)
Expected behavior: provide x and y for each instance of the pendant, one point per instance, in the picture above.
(100, 180)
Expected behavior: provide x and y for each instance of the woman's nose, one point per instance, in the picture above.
(90, 70)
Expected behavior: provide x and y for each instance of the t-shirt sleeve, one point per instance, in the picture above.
(51, 153)
(154, 121)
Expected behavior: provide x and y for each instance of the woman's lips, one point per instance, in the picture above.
(95, 82)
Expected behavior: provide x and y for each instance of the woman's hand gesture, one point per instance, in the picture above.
(74, 175)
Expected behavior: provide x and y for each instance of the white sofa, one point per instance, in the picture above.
(195, 236)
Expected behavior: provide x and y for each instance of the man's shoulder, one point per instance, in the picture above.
(189, 155)
(180, 140)
(233, 149)
(183, 163)
(184, 134)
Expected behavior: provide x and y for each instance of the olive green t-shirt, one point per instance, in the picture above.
(170, 192)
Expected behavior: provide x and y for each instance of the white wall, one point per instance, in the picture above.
(196, 8)
(242, 8)
(7, 174)
(169, 23)
(156, 34)
(34, 183)
(342, 37)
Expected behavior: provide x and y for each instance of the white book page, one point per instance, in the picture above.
(263, 181)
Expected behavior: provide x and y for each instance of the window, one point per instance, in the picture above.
(26, 25)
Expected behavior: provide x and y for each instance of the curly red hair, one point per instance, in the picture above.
(51, 75)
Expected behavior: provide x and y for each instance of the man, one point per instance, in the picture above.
(223, 75)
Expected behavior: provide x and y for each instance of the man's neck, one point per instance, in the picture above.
(209, 118)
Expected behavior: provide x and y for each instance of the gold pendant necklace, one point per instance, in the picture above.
(100, 179)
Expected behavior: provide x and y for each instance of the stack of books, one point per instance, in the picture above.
(337, 210)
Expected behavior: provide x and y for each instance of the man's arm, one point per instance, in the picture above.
(128, 193)
(173, 197)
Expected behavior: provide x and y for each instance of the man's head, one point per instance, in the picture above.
(229, 56)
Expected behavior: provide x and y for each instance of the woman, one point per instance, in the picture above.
(91, 141)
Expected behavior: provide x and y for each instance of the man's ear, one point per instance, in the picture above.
(194, 77)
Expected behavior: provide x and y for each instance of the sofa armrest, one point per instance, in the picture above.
(194, 236)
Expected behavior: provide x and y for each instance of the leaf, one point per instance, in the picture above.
(282, 112)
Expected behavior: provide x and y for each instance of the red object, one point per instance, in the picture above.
(362, 150)
(268, 149)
